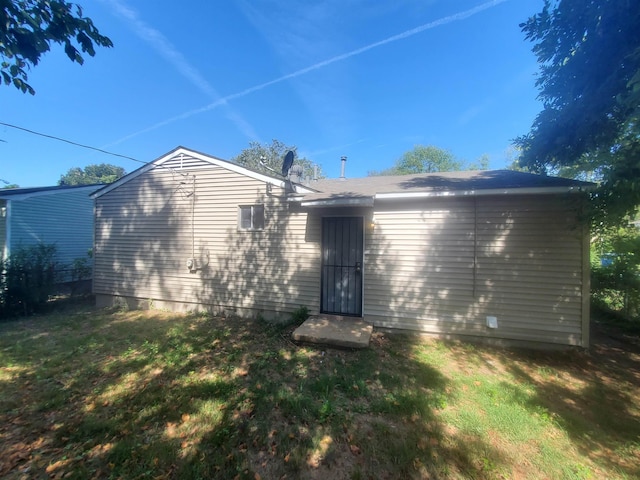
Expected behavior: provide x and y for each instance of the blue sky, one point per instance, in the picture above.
(362, 78)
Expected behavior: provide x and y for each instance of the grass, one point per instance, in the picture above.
(99, 394)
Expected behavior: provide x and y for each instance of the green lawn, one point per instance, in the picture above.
(97, 394)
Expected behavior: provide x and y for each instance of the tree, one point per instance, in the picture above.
(423, 159)
(267, 159)
(589, 84)
(481, 164)
(8, 184)
(92, 174)
(28, 28)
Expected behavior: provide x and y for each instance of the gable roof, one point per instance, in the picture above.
(363, 191)
(176, 152)
(24, 193)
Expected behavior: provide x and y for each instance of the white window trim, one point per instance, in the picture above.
(252, 228)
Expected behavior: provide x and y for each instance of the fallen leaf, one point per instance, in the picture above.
(354, 449)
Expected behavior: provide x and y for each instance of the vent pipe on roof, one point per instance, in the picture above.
(343, 163)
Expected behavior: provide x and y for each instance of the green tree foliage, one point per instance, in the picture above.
(28, 28)
(589, 84)
(423, 159)
(481, 164)
(257, 156)
(92, 174)
(615, 282)
(8, 184)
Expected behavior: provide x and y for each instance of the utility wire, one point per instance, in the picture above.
(71, 143)
(53, 137)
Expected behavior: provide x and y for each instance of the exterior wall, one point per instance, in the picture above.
(64, 219)
(444, 265)
(3, 229)
(147, 229)
(439, 265)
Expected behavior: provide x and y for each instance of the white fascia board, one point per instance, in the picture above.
(228, 165)
(480, 193)
(302, 189)
(200, 156)
(25, 196)
(236, 168)
(339, 202)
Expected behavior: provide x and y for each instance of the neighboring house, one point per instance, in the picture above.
(495, 254)
(59, 215)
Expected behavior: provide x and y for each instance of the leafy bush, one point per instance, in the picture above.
(300, 314)
(28, 279)
(81, 270)
(616, 284)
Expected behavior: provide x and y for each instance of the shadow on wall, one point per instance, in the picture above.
(141, 233)
(261, 272)
(446, 265)
(174, 241)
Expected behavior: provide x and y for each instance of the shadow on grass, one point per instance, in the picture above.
(587, 394)
(152, 394)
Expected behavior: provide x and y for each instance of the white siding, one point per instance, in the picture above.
(63, 218)
(147, 229)
(447, 264)
(3, 229)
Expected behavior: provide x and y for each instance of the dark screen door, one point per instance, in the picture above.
(342, 243)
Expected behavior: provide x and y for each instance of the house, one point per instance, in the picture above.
(61, 215)
(502, 255)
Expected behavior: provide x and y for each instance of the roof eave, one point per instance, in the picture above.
(205, 158)
(25, 196)
(339, 202)
(484, 192)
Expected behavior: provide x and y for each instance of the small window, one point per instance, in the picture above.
(251, 217)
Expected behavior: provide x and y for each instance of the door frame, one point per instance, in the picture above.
(362, 271)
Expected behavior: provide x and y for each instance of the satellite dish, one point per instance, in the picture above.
(286, 163)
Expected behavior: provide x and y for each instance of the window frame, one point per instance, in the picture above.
(253, 209)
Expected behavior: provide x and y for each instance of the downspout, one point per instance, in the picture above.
(475, 244)
(193, 218)
(7, 219)
(586, 277)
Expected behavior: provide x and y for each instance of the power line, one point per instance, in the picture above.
(53, 137)
(76, 144)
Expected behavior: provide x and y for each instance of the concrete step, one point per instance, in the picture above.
(349, 332)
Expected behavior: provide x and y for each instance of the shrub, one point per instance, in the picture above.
(300, 314)
(616, 284)
(28, 279)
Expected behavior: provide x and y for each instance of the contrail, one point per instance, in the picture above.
(166, 49)
(409, 33)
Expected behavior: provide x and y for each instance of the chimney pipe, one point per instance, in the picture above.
(343, 163)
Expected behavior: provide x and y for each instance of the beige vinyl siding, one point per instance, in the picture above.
(148, 227)
(63, 218)
(446, 265)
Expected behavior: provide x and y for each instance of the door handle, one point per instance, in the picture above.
(358, 267)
